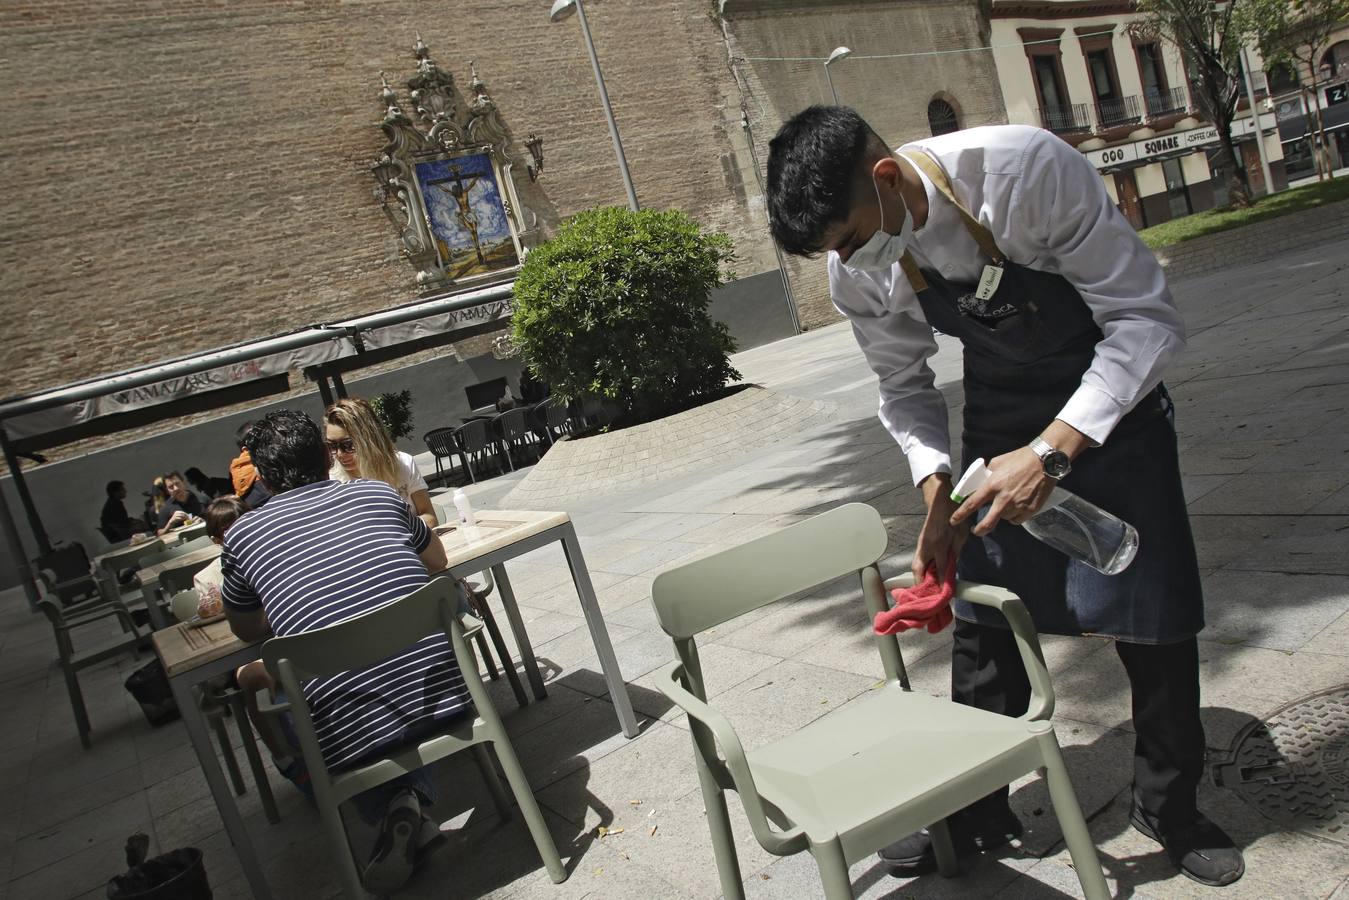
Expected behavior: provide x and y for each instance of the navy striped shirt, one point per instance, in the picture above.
(321, 554)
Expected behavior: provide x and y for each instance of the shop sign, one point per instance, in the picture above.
(1165, 144)
(1337, 94)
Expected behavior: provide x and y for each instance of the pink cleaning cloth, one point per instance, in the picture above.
(926, 605)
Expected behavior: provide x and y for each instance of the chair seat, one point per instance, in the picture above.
(98, 652)
(847, 773)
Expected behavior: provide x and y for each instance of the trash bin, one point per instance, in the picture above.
(176, 875)
(150, 686)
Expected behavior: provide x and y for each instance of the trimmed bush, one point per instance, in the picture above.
(615, 307)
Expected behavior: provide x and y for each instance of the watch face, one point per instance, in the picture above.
(1056, 463)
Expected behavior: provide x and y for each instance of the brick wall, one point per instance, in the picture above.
(184, 174)
(892, 94)
(1263, 240)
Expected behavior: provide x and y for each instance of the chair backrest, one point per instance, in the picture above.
(131, 556)
(184, 605)
(66, 562)
(511, 423)
(550, 414)
(179, 578)
(485, 393)
(191, 532)
(707, 592)
(440, 441)
(474, 436)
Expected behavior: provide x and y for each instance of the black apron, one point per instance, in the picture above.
(1026, 349)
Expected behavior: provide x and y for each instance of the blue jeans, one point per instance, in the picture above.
(369, 805)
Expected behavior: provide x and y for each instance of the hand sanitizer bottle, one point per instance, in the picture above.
(465, 508)
(1069, 524)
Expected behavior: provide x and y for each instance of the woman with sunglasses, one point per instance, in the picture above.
(361, 448)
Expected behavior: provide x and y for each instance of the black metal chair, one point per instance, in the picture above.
(473, 440)
(551, 419)
(440, 441)
(511, 430)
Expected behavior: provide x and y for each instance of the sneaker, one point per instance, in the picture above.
(429, 839)
(1200, 849)
(395, 852)
(970, 833)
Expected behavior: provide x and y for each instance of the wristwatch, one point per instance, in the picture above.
(1056, 462)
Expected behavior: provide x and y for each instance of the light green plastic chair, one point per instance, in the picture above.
(880, 768)
(363, 641)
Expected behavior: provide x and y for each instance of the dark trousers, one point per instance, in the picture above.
(986, 672)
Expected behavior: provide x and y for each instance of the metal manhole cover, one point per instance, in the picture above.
(1294, 766)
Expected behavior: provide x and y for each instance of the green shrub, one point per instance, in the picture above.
(615, 306)
(395, 411)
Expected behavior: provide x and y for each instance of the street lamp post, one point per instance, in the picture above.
(839, 53)
(561, 10)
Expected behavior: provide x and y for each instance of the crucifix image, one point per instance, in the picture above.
(458, 187)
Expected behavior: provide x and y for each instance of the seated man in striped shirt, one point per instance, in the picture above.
(321, 552)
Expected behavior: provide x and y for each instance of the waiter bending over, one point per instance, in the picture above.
(1004, 237)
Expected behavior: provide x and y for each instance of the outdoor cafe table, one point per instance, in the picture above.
(191, 655)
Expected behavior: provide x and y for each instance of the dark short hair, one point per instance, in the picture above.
(174, 474)
(241, 433)
(287, 449)
(114, 487)
(813, 166)
(221, 513)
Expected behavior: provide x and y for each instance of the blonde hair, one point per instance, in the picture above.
(376, 457)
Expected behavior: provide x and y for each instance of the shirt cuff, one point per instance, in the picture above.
(1093, 412)
(923, 461)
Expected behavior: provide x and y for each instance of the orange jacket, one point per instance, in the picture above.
(242, 473)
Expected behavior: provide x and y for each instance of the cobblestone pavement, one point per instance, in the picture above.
(1264, 431)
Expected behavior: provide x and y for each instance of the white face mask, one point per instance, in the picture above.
(883, 249)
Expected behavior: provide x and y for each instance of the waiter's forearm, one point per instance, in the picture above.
(936, 488)
(1062, 436)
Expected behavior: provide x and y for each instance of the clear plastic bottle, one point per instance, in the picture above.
(1070, 525)
(464, 507)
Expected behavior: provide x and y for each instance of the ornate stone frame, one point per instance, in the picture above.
(446, 131)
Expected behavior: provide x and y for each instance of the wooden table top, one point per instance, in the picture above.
(182, 647)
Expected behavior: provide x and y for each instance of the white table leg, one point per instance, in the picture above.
(599, 633)
(224, 800)
(517, 623)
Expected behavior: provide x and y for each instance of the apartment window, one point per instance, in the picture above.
(1049, 82)
(1103, 84)
(941, 117)
(1151, 68)
(1337, 59)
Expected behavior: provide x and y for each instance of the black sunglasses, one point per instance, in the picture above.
(343, 446)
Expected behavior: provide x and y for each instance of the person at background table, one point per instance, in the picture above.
(322, 552)
(221, 513)
(155, 498)
(247, 486)
(361, 448)
(115, 523)
(207, 485)
(181, 505)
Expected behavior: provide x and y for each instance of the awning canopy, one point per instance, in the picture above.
(217, 378)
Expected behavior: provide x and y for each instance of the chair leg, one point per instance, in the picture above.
(723, 841)
(833, 870)
(503, 653)
(947, 862)
(485, 654)
(483, 757)
(77, 704)
(347, 873)
(1075, 834)
(524, 798)
(240, 710)
(232, 764)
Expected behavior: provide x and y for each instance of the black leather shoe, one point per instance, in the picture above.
(970, 833)
(1200, 849)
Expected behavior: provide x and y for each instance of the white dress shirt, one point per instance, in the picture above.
(1047, 209)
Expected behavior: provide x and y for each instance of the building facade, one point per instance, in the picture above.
(1308, 103)
(1075, 68)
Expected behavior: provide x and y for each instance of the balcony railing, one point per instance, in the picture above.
(1166, 103)
(1066, 119)
(1120, 111)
